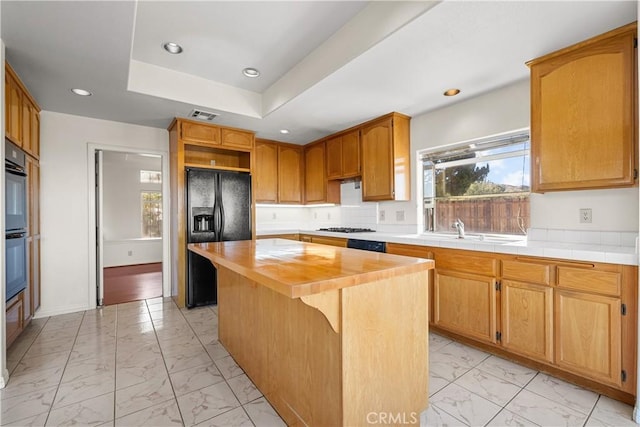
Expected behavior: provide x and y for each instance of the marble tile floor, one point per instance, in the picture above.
(468, 387)
(150, 363)
(144, 363)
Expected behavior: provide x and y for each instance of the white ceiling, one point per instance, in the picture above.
(325, 65)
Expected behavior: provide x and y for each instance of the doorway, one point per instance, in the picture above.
(130, 229)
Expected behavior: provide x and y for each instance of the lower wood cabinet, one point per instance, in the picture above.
(527, 319)
(588, 335)
(577, 320)
(465, 303)
(288, 236)
(14, 318)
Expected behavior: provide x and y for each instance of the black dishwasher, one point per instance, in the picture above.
(367, 245)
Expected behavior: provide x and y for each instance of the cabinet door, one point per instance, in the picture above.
(314, 174)
(26, 125)
(14, 318)
(465, 304)
(27, 296)
(334, 158)
(582, 132)
(377, 161)
(35, 275)
(351, 154)
(588, 335)
(289, 174)
(13, 115)
(33, 197)
(235, 138)
(35, 133)
(527, 319)
(195, 132)
(266, 172)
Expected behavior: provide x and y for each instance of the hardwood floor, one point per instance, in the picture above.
(132, 283)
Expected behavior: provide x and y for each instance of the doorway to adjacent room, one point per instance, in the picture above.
(129, 219)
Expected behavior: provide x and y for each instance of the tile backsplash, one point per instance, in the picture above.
(607, 238)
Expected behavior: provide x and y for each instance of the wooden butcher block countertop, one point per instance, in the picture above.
(299, 269)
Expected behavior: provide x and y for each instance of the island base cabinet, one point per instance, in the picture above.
(588, 335)
(466, 304)
(332, 358)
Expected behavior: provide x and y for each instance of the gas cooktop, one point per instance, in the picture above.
(346, 230)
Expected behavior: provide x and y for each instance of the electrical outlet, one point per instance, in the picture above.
(399, 215)
(381, 215)
(130, 253)
(585, 216)
(273, 215)
(328, 215)
(315, 215)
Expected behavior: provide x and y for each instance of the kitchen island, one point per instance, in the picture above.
(330, 336)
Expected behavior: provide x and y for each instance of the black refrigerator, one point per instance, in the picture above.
(218, 210)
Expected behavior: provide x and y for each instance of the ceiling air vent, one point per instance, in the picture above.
(202, 115)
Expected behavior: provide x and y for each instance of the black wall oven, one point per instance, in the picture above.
(15, 220)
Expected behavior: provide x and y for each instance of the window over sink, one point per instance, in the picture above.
(484, 182)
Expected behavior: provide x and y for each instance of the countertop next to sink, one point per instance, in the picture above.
(619, 248)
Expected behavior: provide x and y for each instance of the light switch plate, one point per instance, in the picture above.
(585, 216)
(381, 215)
(399, 215)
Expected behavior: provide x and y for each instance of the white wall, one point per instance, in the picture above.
(122, 220)
(65, 199)
(122, 189)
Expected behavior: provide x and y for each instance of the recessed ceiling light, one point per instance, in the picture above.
(451, 92)
(284, 131)
(81, 92)
(172, 47)
(251, 72)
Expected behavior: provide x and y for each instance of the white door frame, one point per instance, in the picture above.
(166, 215)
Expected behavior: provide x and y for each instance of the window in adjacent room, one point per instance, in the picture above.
(151, 213)
(150, 177)
(484, 182)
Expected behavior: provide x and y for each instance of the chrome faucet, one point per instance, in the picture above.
(459, 225)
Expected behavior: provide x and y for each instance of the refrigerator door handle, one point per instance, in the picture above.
(218, 211)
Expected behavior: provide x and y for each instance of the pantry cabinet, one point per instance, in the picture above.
(343, 156)
(584, 119)
(386, 169)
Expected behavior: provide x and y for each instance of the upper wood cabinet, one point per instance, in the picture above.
(13, 108)
(236, 138)
(205, 133)
(343, 156)
(583, 114)
(386, 165)
(22, 114)
(290, 169)
(317, 189)
(278, 172)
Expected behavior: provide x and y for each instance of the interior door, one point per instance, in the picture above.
(99, 243)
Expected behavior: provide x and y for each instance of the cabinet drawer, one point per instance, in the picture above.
(200, 133)
(527, 272)
(14, 316)
(333, 241)
(409, 250)
(601, 282)
(466, 261)
(236, 138)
